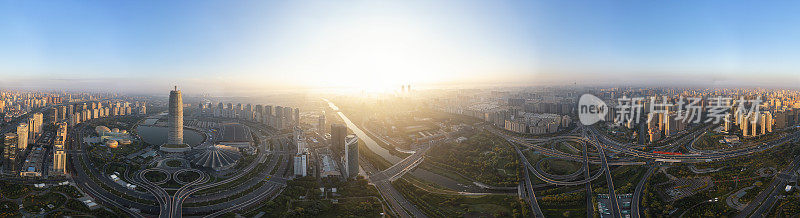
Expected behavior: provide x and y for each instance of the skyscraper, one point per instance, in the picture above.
(61, 136)
(35, 126)
(268, 115)
(54, 113)
(278, 123)
(351, 156)
(287, 116)
(300, 165)
(22, 136)
(321, 123)
(10, 153)
(297, 116)
(338, 133)
(175, 136)
(59, 150)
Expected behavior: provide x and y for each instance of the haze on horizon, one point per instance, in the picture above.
(256, 46)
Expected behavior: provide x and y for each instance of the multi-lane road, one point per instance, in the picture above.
(764, 201)
(171, 205)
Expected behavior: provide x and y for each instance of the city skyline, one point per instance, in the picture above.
(255, 47)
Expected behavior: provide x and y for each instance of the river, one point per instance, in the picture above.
(418, 172)
(371, 144)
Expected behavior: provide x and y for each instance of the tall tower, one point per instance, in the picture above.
(35, 126)
(10, 153)
(351, 156)
(22, 136)
(59, 150)
(338, 134)
(175, 136)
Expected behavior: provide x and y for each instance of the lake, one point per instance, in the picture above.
(157, 135)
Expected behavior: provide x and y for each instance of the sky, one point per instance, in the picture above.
(266, 46)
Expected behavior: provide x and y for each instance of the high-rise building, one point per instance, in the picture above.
(22, 136)
(338, 134)
(59, 149)
(247, 112)
(768, 121)
(10, 150)
(268, 115)
(61, 136)
(300, 165)
(351, 156)
(297, 116)
(321, 123)
(70, 110)
(35, 126)
(287, 116)
(754, 118)
(745, 126)
(62, 113)
(175, 136)
(299, 140)
(53, 113)
(654, 133)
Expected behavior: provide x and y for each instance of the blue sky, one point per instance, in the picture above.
(225, 46)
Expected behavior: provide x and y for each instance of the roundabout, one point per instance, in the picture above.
(149, 175)
(186, 176)
(550, 160)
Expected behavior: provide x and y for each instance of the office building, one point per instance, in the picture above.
(22, 136)
(10, 153)
(300, 165)
(35, 126)
(321, 123)
(297, 116)
(338, 134)
(351, 156)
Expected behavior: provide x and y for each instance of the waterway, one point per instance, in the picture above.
(157, 135)
(418, 172)
(371, 144)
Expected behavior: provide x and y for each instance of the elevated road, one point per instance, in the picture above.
(703, 157)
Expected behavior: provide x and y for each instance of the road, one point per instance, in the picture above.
(767, 198)
(397, 203)
(637, 193)
(537, 211)
(589, 193)
(701, 157)
(615, 211)
(78, 159)
(398, 169)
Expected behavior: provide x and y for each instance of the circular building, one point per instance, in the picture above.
(217, 157)
(112, 143)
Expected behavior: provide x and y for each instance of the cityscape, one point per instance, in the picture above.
(399, 109)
